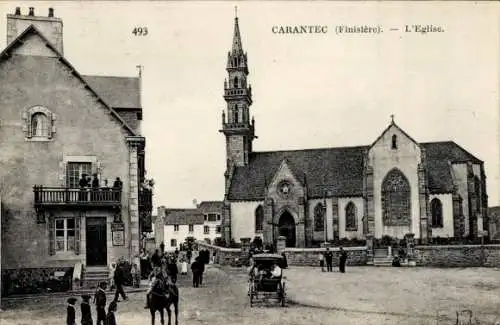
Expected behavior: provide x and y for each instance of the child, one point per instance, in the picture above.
(100, 303)
(322, 262)
(110, 318)
(112, 270)
(184, 266)
(86, 313)
(70, 312)
(135, 276)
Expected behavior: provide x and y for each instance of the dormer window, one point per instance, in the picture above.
(39, 124)
(394, 142)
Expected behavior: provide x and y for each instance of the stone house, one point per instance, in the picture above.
(57, 125)
(393, 187)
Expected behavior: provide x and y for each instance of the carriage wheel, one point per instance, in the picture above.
(283, 295)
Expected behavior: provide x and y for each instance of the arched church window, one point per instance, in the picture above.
(437, 213)
(39, 125)
(350, 217)
(259, 219)
(319, 217)
(396, 199)
(236, 82)
(394, 141)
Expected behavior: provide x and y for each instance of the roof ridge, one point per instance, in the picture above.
(312, 149)
(108, 76)
(60, 56)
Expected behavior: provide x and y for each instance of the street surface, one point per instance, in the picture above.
(363, 295)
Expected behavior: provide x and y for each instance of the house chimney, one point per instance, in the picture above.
(51, 27)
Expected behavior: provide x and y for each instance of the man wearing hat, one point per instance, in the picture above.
(70, 314)
(86, 312)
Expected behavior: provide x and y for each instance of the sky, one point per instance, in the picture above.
(309, 90)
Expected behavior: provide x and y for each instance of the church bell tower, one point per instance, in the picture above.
(236, 123)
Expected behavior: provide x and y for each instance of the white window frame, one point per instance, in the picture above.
(176, 228)
(206, 230)
(174, 242)
(65, 236)
(191, 228)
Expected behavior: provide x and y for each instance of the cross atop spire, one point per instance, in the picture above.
(392, 118)
(237, 46)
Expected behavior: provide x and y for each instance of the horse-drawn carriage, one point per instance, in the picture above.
(262, 284)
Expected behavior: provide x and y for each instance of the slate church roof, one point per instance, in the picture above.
(337, 170)
(118, 92)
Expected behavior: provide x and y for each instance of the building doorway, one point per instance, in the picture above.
(96, 242)
(286, 226)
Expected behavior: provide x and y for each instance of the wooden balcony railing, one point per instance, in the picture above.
(60, 196)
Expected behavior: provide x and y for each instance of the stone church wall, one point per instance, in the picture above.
(243, 219)
(346, 233)
(447, 203)
(383, 159)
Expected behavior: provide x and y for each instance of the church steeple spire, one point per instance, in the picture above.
(237, 125)
(237, 46)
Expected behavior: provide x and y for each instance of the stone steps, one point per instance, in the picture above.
(93, 275)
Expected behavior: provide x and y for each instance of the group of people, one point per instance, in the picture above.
(86, 313)
(86, 183)
(327, 256)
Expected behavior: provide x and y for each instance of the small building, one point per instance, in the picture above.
(212, 215)
(203, 223)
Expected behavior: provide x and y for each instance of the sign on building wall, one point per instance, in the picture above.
(118, 234)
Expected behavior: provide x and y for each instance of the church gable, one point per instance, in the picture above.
(285, 182)
(393, 146)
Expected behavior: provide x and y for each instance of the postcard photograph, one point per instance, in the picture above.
(260, 162)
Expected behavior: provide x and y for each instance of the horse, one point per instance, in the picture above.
(163, 296)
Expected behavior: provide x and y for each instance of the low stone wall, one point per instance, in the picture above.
(310, 256)
(223, 255)
(458, 255)
(35, 280)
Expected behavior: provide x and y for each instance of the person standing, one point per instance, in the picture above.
(100, 304)
(156, 259)
(110, 317)
(144, 264)
(342, 260)
(322, 261)
(329, 260)
(119, 281)
(85, 309)
(195, 269)
(189, 254)
(172, 269)
(70, 312)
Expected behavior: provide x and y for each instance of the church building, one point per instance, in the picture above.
(393, 186)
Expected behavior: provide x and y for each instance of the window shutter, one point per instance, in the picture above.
(77, 235)
(52, 236)
(62, 173)
(52, 126)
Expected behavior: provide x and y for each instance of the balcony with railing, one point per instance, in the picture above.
(229, 92)
(105, 197)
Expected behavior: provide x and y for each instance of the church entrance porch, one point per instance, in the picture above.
(286, 228)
